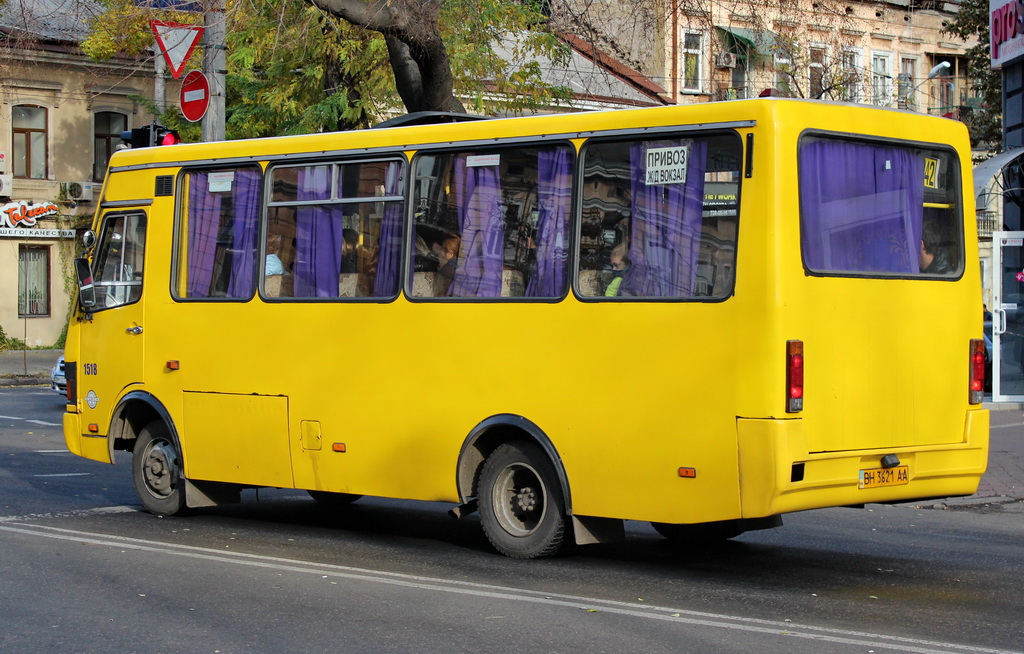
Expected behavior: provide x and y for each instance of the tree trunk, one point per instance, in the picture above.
(418, 56)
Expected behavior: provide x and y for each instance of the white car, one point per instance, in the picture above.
(58, 382)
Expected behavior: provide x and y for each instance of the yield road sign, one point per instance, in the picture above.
(176, 41)
(195, 96)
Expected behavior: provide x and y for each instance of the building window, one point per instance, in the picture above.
(816, 71)
(906, 84)
(693, 51)
(29, 141)
(107, 130)
(33, 281)
(881, 78)
(851, 76)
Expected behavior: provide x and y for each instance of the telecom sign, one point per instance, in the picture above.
(195, 96)
(1006, 20)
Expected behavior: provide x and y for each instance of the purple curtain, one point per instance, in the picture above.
(245, 202)
(665, 225)
(203, 224)
(318, 236)
(481, 256)
(554, 202)
(860, 207)
(390, 253)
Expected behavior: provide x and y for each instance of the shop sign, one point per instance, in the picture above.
(19, 219)
(1006, 20)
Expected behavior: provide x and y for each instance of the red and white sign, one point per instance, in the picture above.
(176, 41)
(195, 96)
(25, 214)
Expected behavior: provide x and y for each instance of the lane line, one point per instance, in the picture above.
(43, 422)
(65, 451)
(1012, 424)
(67, 474)
(472, 589)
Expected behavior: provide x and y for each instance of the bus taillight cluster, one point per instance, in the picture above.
(794, 376)
(977, 386)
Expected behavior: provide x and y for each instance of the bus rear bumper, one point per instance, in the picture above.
(779, 475)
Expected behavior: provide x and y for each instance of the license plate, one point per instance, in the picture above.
(878, 477)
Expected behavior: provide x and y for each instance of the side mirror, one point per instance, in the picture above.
(88, 238)
(86, 291)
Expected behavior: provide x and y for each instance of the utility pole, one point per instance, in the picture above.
(215, 66)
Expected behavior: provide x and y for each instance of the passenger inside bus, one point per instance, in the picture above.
(620, 266)
(935, 257)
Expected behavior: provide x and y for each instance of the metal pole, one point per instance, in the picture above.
(215, 67)
(159, 87)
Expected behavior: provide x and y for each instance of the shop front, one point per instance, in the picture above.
(36, 249)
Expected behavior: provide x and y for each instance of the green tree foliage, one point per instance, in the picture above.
(986, 122)
(294, 68)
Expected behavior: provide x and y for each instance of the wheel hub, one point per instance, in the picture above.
(157, 469)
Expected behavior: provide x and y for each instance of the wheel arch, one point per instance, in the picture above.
(133, 412)
(493, 432)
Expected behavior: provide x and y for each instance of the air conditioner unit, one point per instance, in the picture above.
(6, 185)
(725, 60)
(77, 191)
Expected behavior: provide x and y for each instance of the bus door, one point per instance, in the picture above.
(1007, 326)
(113, 359)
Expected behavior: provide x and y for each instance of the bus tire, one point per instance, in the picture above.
(522, 510)
(157, 471)
(333, 500)
(699, 534)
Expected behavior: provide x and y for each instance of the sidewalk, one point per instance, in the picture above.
(27, 367)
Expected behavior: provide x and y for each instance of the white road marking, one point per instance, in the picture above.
(67, 474)
(102, 510)
(631, 609)
(52, 451)
(43, 422)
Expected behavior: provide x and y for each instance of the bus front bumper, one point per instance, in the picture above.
(86, 445)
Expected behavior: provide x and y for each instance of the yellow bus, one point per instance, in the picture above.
(703, 317)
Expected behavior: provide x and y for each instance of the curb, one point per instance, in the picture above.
(22, 380)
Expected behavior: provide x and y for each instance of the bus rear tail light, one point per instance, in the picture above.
(977, 387)
(794, 376)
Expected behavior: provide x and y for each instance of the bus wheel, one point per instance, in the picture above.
(333, 500)
(521, 507)
(699, 534)
(156, 471)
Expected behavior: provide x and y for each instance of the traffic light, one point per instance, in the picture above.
(150, 135)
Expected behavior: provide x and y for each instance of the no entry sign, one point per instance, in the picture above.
(195, 96)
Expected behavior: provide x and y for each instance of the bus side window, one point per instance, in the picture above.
(334, 230)
(218, 230)
(659, 218)
(492, 223)
(120, 257)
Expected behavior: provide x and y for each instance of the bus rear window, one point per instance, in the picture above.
(879, 209)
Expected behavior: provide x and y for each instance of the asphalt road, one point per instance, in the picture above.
(84, 569)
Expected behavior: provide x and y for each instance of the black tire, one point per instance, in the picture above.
(700, 534)
(333, 500)
(157, 471)
(521, 505)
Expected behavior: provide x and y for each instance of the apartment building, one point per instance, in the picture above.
(891, 54)
(61, 116)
